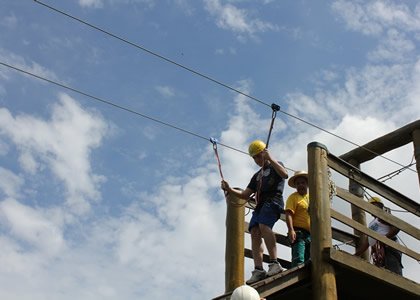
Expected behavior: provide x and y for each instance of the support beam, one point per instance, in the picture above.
(358, 214)
(416, 142)
(323, 275)
(383, 144)
(234, 253)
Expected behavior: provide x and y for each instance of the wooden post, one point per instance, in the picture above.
(234, 253)
(357, 213)
(416, 142)
(323, 275)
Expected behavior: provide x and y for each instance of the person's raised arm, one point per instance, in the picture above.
(276, 165)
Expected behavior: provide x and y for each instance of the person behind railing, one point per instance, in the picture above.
(268, 184)
(382, 255)
(297, 218)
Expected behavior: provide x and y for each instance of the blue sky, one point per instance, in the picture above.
(100, 203)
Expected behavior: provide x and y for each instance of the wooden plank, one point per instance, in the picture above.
(344, 237)
(383, 144)
(279, 282)
(342, 218)
(360, 265)
(404, 226)
(282, 281)
(285, 263)
(355, 174)
(337, 234)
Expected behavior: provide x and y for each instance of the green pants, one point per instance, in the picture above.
(301, 247)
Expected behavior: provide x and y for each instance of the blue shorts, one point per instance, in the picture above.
(267, 214)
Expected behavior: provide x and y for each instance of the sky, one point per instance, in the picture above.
(105, 201)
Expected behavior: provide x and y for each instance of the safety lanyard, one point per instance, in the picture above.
(214, 142)
(275, 109)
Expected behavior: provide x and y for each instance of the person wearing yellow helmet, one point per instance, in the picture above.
(383, 255)
(268, 185)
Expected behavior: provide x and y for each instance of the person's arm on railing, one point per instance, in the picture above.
(362, 247)
(393, 231)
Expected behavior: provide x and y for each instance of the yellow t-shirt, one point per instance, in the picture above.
(299, 205)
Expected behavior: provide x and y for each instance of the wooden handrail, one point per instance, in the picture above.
(362, 178)
(349, 222)
(400, 224)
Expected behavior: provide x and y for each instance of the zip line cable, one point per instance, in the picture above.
(124, 40)
(396, 172)
(106, 102)
(102, 100)
(151, 52)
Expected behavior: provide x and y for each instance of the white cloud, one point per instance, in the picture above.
(165, 91)
(372, 17)
(91, 3)
(101, 3)
(373, 90)
(395, 47)
(10, 183)
(21, 63)
(237, 20)
(31, 226)
(63, 144)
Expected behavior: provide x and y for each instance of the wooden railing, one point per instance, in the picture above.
(323, 255)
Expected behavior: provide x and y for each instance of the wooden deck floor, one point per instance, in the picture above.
(355, 279)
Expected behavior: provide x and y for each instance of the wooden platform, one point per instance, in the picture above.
(355, 279)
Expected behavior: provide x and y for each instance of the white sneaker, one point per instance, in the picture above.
(274, 268)
(257, 275)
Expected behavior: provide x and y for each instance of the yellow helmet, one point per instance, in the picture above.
(256, 147)
(375, 200)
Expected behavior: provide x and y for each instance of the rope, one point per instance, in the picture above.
(331, 186)
(275, 109)
(214, 142)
